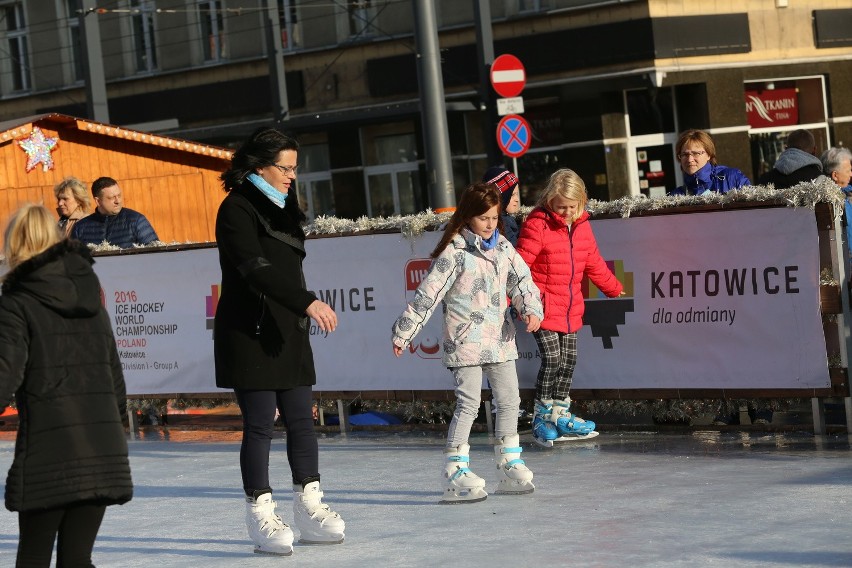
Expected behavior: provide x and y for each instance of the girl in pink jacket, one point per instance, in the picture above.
(557, 242)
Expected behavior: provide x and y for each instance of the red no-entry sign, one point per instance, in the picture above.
(508, 76)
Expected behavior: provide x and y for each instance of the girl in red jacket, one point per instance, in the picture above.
(557, 243)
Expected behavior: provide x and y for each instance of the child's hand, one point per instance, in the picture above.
(533, 323)
(397, 350)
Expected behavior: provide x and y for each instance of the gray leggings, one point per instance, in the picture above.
(503, 378)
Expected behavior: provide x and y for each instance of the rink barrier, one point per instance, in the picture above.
(834, 305)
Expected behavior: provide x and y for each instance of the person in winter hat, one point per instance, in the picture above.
(510, 198)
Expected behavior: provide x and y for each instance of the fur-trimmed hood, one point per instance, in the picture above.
(60, 278)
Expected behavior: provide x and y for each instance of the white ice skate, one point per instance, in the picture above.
(460, 484)
(316, 522)
(516, 478)
(266, 529)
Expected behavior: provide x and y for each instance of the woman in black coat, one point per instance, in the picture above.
(58, 357)
(262, 344)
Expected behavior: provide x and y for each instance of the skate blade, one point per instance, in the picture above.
(472, 496)
(321, 542)
(272, 552)
(515, 488)
(576, 437)
(543, 443)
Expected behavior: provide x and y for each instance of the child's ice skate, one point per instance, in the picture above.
(570, 426)
(460, 484)
(266, 529)
(316, 522)
(515, 476)
(544, 428)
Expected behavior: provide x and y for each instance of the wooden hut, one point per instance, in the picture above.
(173, 182)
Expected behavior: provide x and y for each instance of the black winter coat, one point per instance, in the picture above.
(261, 333)
(58, 357)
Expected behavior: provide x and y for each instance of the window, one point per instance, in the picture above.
(361, 14)
(316, 195)
(14, 28)
(529, 6)
(143, 35)
(291, 35)
(74, 38)
(650, 111)
(212, 18)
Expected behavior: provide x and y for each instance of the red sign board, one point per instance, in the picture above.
(514, 135)
(775, 107)
(508, 76)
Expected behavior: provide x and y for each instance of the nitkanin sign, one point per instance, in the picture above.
(772, 107)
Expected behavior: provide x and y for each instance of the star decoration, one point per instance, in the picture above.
(38, 147)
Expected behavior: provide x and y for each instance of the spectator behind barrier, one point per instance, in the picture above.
(72, 203)
(697, 155)
(796, 164)
(111, 222)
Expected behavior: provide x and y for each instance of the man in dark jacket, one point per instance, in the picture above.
(111, 222)
(796, 163)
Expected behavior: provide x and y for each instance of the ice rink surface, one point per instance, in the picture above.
(732, 499)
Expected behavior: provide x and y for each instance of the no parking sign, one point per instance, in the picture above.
(514, 135)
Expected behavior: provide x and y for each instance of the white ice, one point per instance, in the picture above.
(623, 499)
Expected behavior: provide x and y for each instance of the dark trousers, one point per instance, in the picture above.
(77, 527)
(258, 408)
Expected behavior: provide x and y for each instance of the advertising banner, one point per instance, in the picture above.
(714, 300)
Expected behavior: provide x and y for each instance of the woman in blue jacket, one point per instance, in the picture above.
(696, 153)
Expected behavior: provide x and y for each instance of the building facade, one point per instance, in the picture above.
(609, 84)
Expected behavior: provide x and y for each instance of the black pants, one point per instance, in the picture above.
(258, 408)
(77, 526)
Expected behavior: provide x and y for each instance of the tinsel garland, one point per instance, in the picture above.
(805, 194)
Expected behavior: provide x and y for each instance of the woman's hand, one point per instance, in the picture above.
(533, 323)
(322, 313)
(397, 350)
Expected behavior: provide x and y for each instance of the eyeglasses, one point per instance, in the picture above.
(695, 154)
(287, 169)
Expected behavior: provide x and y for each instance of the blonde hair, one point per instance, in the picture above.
(78, 192)
(31, 230)
(567, 184)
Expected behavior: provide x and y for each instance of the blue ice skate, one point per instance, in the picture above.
(568, 424)
(544, 430)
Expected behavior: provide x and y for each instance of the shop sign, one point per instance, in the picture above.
(775, 107)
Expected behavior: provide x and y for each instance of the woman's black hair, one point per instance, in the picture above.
(259, 150)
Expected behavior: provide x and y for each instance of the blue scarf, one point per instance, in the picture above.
(275, 196)
(492, 240)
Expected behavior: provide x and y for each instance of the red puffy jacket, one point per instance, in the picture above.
(559, 257)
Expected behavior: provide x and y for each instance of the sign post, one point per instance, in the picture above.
(508, 77)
